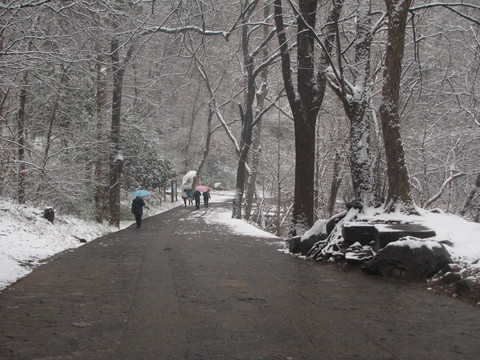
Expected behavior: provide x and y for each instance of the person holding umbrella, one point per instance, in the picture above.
(137, 209)
(196, 196)
(206, 197)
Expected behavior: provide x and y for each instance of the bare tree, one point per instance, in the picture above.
(355, 98)
(116, 158)
(399, 193)
(305, 100)
(254, 64)
(101, 98)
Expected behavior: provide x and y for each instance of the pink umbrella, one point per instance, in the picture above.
(202, 188)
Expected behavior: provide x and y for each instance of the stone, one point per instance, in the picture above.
(294, 244)
(387, 233)
(49, 214)
(464, 287)
(450, 278)
(297, 245)
(410, 259)
(353, 232)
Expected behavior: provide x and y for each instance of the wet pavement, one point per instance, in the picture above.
(179, 288)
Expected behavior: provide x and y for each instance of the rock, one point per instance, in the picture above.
(353, 232)
(49, 214)
(294, 244)
(297, 245)
(387, 233)
(382, 234)
(464, 287)
(410, 259)
(450, 278)
(83, 241)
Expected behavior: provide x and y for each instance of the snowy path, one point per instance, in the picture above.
(180, 288)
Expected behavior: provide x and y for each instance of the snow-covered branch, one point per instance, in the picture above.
(442, 188)
(452, 7)
(183, 29)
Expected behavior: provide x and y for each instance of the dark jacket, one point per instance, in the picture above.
(197, 194)
(137, 206)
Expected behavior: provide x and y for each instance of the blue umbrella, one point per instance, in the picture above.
(141, 193)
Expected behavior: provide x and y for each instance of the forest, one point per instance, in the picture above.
(303, 107)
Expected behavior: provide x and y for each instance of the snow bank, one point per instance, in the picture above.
(26, 238)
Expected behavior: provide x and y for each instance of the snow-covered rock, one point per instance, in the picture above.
(410, 258)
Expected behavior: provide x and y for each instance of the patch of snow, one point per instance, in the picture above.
(414, 243)
(223, 216)
(320, 227)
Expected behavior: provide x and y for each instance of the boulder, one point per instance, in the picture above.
(450, 278)
(387, 233)
(464, 287)
(298, 245)
(294, 244)
(409, 258)
(381, 234)
(49, 214)
(358, 232)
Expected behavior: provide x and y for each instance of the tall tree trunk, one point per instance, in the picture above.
(256, 143)
(206, 151)
(335, 185)
(101, 103)
(116, 159)
(252, 178)
(304, 105)
(399, 192)
(189, 139)
(355, 102)
(469, 203)
(4, 160)
(248, 122)
(51, 123)
(21, 139)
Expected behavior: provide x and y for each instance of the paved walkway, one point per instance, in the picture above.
(181, 289)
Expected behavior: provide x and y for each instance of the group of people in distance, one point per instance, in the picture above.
(187, 194)
(190, 195)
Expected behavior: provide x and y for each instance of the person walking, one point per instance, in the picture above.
(196, 196)
(137, 210)
(206, 198)
(185, 196)
(190, 196)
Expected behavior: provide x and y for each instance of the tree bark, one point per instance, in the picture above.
(249, 117)
(399, 192)
(191, 128)
(304, 105)
(335, 185)
(469, 203)
(21, 139)
(355, 102)
(208, 141)
(101, 103)
(116, 159)
(256, 144)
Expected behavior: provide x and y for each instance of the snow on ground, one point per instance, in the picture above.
(223, 216)
(27, 239)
